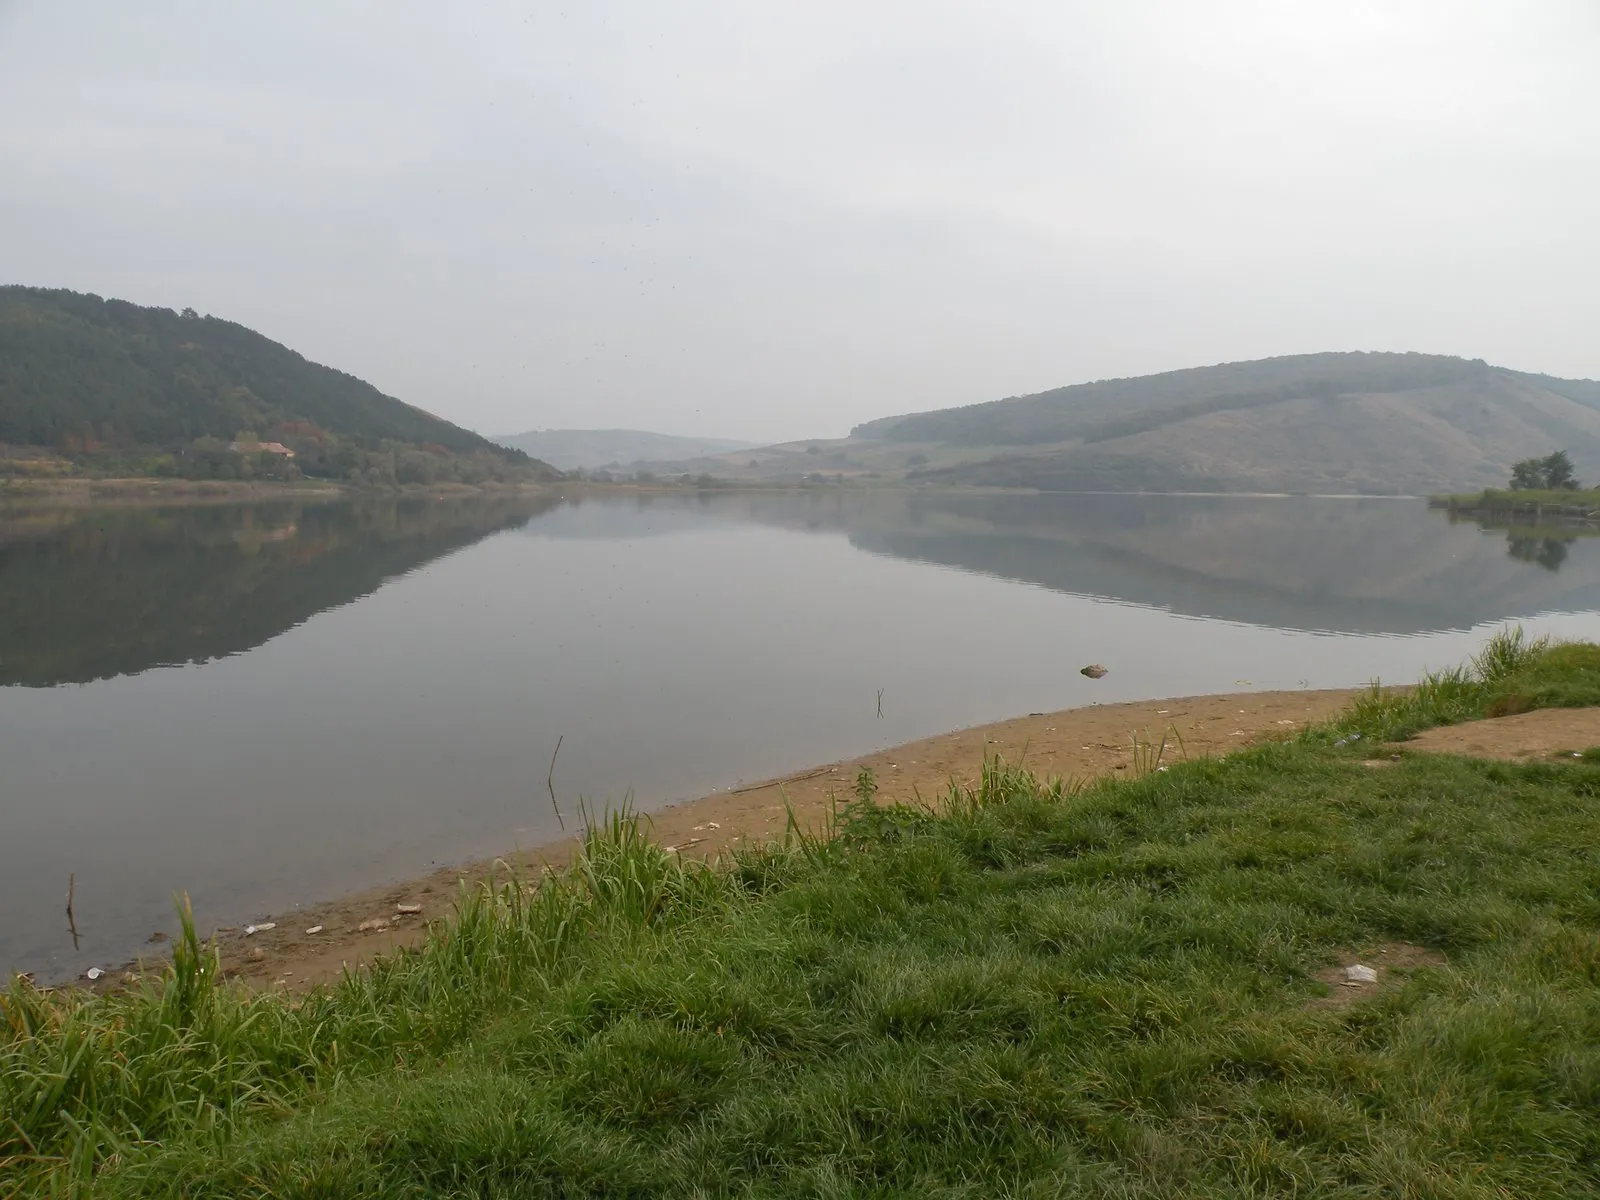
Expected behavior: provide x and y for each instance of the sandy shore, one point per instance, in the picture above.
(1081, 743)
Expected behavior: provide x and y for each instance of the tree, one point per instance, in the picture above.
(1558, 473)
(1553, 473)
(1527, 475)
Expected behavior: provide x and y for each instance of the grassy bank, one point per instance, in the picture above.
(1032, 990)
(1511, 675)
(1503, 502)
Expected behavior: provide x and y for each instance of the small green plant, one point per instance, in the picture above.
(864, 821)
(1506, 653)
(1149, 757)
(866, 787)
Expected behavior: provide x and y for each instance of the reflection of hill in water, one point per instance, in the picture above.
(620, 516)
(91, 595)
(1372, 566)
(1368, 565)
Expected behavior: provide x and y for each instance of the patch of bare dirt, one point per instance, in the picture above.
(1543, 733)
(1081, 743)
(1390, 962)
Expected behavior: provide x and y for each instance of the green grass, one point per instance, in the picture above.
(1030, 991)
(1512, 674)
(1506, 500)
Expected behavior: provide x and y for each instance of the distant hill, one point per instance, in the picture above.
(106, 381)
(573, 449)
(1320, 422)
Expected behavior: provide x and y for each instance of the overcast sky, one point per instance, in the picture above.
(774, 220)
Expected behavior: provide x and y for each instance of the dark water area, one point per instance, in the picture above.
(267, 705)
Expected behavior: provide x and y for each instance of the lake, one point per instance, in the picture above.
(272, 704)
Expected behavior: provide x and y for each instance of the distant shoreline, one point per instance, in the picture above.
(87, 493)
(77, 491)
(1538, 505)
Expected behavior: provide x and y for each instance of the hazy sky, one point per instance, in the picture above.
(774, 220)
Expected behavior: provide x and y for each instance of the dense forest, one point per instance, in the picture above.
(110, 387)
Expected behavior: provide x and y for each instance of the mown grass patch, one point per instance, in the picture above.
(1030, 991)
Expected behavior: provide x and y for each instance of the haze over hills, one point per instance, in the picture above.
(575, 449)
(1346, 422)
(107, 386)
(97, 380)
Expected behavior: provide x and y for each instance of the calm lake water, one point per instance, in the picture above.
(269, 705)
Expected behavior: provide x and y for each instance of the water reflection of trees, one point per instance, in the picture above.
(1548, 551)
(1543, 543)
(88, 595)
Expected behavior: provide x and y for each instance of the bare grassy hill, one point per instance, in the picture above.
(1405, 423)
(1348, 423)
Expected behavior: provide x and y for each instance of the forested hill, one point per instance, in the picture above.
(84, 376)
